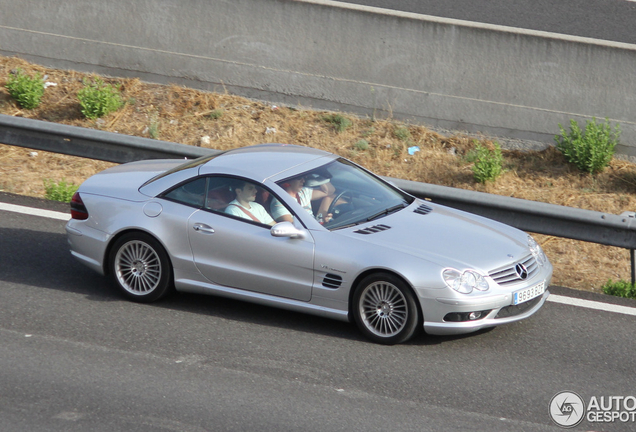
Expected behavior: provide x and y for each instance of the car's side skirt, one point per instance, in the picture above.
(198, 287)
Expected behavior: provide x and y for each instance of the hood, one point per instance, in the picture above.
(123, 181)
(445, 236)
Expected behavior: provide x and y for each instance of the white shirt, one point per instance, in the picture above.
(255, 208)
(278, 209)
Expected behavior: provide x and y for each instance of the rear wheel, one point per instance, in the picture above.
(140, 267)
(385, 309)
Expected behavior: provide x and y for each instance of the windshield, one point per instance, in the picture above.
(341, 194)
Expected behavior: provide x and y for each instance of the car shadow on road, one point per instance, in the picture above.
(42, 259)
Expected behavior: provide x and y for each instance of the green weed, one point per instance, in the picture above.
(488, 163)
(25, 90)
(216, 114)
(153, 128)
(98, 99)
(60, 191)
(620, 288)
(402, 133)
(591, 151)
(340, 122)
(362, 145)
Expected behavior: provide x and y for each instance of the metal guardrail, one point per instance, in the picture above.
(89, 143)
(560, 221)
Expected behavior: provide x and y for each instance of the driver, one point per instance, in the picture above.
(245, 206)
(304, 195)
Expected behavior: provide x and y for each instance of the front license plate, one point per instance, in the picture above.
(524, 295)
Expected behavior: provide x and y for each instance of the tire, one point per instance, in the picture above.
(385, 309)
(140, 268)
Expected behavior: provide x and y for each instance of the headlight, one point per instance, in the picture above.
(536, 250)
(464, 282)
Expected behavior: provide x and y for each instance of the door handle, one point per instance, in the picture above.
(199, 227)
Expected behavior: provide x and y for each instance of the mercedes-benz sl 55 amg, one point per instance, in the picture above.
(306, 230)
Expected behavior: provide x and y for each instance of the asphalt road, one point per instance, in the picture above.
(611, 20)
(74, 356)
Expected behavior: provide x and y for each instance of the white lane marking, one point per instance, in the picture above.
(592, 304)
(35, 212)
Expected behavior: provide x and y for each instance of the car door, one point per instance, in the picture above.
(240, 253)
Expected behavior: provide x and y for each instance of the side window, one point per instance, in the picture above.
(230, 196)
(249, 201)
(219, 193)
(191, 193)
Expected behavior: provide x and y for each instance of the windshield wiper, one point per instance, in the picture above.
(345, 226)
(387, 211)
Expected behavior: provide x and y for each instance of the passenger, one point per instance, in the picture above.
(304, 195)
(245, 206)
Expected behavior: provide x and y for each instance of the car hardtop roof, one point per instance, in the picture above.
(264, 160)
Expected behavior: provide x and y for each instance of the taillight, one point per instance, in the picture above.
(78, 209)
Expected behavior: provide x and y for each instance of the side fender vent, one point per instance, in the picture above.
(373, 229)
(423, 209)
(332, 281)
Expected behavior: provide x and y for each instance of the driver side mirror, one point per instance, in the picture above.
(287, 229)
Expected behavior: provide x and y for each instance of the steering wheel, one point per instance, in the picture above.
(332, 206)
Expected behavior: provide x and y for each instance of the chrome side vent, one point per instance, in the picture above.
(332, 281)
(524, 269)
(423, 209)
(373, 229)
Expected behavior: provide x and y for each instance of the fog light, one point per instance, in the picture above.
(466, 316)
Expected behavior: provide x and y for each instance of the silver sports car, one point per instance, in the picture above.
(306, 230)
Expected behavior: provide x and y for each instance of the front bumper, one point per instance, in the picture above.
(493, 319)
(444, 316)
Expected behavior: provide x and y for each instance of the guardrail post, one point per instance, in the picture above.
(631, 256)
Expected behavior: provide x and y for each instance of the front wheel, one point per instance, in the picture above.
(385, 309)
(140, 268)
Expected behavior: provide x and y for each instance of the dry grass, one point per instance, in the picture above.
(188, 116)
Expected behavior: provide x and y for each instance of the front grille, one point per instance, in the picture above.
(332, 281)
(373, 229)
(510, 275)
(513, 310)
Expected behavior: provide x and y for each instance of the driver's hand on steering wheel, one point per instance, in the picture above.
(324, 220)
